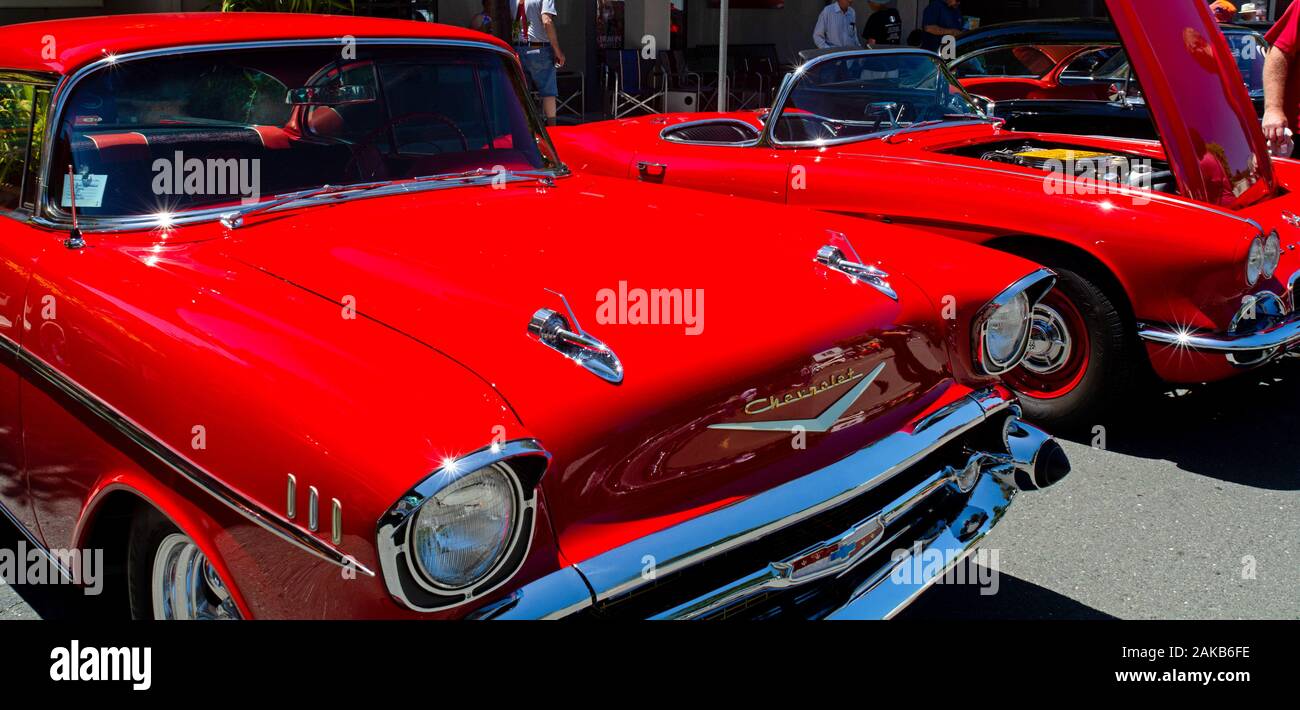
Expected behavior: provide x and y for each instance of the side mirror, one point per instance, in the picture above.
(334, 95)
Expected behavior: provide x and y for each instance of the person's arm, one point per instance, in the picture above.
(941, 31)
(819, 32)
(1277, 65)
(548, 21)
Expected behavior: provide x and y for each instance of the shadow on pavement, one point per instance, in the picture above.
(1242, 430)
(1015, 599)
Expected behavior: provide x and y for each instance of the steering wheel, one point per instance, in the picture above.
(367, 142)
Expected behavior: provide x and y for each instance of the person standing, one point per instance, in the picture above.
(482, 21)
(537, 41)
(884, 25)
(837, 26)
(942, 18)
(1282, 82)
(1223, 11)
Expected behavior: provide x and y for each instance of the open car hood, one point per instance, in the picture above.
(1191, 83)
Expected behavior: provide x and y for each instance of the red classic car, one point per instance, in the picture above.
(304, 317)
(1175, 256)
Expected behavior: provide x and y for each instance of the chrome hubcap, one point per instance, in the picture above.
(185, 586)
(1049, 341)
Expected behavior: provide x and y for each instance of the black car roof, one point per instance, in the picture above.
(1065, 30)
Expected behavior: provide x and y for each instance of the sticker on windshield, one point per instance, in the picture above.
(90, 190)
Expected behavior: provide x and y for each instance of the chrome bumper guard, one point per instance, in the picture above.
(1264, 328)
(982, 490)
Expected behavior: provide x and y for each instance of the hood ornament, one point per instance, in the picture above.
(833, 257)
(1290, 218)
(554, 331)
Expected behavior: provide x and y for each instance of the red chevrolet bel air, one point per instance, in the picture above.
(1177, 256)
(305, 317)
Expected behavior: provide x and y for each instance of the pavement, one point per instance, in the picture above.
(1189, 509)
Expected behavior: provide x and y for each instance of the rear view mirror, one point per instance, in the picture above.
(334, 95)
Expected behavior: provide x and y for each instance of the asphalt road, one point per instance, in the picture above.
(1192, 489)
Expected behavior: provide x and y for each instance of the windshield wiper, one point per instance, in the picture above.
(235, 218)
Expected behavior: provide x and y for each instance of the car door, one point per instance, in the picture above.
(23, 102)
(739, 169)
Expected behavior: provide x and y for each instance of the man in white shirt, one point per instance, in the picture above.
(534, 37)
(837, 26)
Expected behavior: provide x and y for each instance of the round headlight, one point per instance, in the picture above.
(1272, 254)
(1255, 261)
(1006, 332)
(463, 530)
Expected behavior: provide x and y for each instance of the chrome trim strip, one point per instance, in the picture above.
(554, 596)
(187, 469)
(50, 216)
(291, 505)
(1281, 336)
(693, 541)
(336, 522)
(313, 512)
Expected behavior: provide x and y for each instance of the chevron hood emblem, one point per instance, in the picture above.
(823, 422)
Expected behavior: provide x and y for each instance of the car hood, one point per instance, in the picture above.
(1193, 87)
(779, 337)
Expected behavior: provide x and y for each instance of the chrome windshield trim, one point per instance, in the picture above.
(184, 467)
(693, 541)
(768, 138)
(51, 216)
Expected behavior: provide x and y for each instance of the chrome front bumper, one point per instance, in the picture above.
(1264, 328)
(977, 494)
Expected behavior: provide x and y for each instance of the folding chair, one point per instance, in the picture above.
(632, 89)
(573, 94)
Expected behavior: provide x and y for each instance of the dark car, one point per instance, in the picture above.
(1072, 76)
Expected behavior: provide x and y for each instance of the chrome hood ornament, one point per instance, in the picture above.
(554, 331)
(832, 257)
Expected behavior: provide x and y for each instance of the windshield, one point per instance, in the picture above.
(212, 129)
(857, 95)
(1248, 50)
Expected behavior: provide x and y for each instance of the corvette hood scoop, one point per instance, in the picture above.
(727, 332)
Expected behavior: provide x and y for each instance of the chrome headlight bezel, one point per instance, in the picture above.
(1254, 261)
(1272, 254)
(1032, 288)
(522, 462)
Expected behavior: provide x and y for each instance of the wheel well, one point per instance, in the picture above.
(110, 531)
(1053, 253)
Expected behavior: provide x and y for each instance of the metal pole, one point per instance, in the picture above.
(722, 56)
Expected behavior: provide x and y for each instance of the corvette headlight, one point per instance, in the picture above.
(1255, 261)
(463, 530)
(1272, 254)
(1002, 328)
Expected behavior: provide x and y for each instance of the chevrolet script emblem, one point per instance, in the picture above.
(824, 421)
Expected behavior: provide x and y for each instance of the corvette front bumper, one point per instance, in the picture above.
(1264, 328)
(858, 539)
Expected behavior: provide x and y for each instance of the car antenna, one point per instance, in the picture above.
(74, 240)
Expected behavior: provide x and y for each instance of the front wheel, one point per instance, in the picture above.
(1081, 355)
(170, 577)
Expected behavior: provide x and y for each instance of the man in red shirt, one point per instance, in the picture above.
(1282, 79)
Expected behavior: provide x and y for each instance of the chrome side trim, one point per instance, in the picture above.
(313, 508)
(291, 493)
(187, 469)
(694, 541)
(1282, 336)
(51, 216)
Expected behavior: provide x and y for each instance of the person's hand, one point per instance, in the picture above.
(1275, 129)
(559, 58)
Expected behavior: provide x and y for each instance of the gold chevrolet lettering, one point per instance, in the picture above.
(759, 406)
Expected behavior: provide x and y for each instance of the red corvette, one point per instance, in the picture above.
(1176, 256)
(304, 317)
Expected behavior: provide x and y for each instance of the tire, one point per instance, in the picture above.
(1072, 388)
(158, 550)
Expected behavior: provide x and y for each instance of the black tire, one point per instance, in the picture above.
(1113, 368)
(148, 529)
